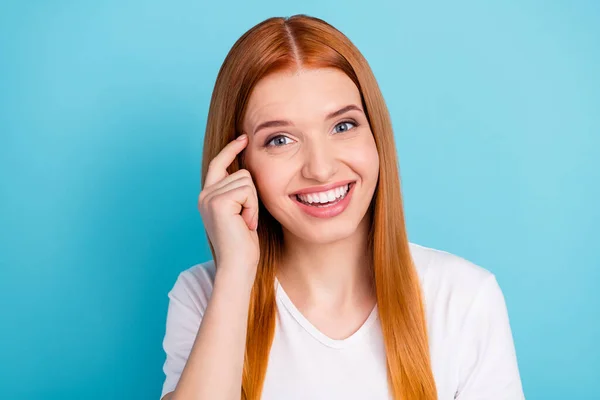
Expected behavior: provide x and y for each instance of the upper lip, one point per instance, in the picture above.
(322, 188)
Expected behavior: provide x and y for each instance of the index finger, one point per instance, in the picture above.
(217, 168)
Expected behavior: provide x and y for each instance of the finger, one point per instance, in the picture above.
(255, 220)
(217, 168)
(249, 213)
(243, 198)
(242, 173)
(229, 186)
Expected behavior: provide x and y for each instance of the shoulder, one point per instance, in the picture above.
(199, 274)
(443, 275)
(440, 265)
(470, 338)
(194, 285)
(449, 280)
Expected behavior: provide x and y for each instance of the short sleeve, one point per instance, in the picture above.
(187, 302)
(488, 367)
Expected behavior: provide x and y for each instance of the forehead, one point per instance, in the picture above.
(307, 93)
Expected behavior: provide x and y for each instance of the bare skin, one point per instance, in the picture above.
(325, 264)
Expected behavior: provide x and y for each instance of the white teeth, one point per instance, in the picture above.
(324, 197)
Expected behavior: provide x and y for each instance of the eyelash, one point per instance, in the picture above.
(271, 138)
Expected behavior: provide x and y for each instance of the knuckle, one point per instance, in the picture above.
(208, 200)
(214, 200)
(211, 163)
(213, 204)
(202, 196)
(244, 172)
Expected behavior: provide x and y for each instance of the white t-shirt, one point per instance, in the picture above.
(470, 339)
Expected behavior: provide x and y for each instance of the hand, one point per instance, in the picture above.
(228, 205)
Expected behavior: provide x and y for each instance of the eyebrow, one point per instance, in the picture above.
(278, 123)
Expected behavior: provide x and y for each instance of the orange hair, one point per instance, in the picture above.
(301, 41)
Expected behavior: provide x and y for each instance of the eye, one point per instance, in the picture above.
(278, 141)
(351, 122)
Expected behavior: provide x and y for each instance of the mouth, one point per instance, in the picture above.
(325, 204)
(326, 198)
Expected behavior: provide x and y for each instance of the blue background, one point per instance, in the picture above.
(103, 105)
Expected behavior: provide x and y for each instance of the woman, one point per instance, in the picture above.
(314, 291)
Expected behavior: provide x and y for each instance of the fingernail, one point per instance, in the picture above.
(242, 137)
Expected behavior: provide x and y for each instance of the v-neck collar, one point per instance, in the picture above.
(316, 333)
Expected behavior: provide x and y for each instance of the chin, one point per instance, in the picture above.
(324, 233)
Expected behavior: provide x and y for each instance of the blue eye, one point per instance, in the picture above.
(346, 122)
(281, 140)
(278, 141)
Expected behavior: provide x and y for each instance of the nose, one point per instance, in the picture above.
(320, 162)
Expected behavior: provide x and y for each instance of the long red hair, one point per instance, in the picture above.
(302, 41)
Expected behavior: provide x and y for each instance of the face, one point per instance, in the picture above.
(316, 168)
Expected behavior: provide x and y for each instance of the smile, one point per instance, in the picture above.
(325, 204)
(324, 198)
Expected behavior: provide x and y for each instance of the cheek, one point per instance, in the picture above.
(268, 187)
(269, 176)
(364, 158)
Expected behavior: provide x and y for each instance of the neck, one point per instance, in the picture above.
(335, 274)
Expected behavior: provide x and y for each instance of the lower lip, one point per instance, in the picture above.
(327, 211)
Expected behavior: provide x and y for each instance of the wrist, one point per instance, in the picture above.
(242, 279)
